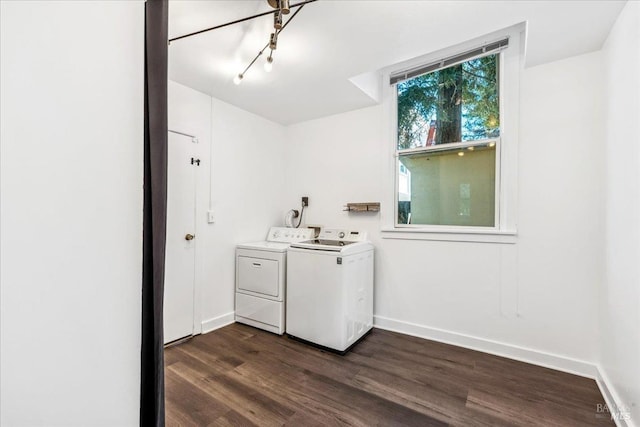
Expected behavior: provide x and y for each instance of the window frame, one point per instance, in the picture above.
(510, 65)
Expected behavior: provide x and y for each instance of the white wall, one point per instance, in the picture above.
(539, 294)
(244, 188)
(620, 298)
(71, 215)
(560, 206)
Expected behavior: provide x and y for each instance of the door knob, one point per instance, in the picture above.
(189, 237)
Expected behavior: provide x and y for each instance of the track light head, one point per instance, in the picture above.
(284, 7)
(273, 41)
(277, 20)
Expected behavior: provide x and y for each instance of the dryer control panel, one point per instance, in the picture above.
(289, 235)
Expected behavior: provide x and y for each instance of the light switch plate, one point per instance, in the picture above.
(210, 217)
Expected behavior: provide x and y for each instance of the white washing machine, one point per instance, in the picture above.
(261, 278)
(330, 289)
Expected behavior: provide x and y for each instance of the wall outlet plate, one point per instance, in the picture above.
(305, 201)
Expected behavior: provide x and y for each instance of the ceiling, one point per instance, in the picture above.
(332, 41)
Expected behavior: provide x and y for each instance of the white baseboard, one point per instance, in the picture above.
(218, 322)
(612, 399)
(522, 354)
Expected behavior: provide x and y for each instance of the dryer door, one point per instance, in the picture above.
(257, 275)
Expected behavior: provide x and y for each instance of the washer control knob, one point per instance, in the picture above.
(341, 234)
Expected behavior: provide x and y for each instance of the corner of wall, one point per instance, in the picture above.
(619, 311)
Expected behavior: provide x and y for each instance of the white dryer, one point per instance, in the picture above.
(261, 278)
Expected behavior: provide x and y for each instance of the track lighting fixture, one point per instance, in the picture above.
(282, 7)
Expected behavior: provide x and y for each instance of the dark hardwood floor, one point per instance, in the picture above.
(241, 376)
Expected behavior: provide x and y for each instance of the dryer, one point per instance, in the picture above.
(261, 278)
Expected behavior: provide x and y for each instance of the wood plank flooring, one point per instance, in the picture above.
(242, 376)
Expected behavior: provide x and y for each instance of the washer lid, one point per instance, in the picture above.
(265, 246)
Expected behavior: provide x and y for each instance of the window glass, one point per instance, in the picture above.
(448, 187)
(454, 104)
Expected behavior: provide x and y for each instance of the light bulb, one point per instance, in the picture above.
(268, 66)
(238, 79)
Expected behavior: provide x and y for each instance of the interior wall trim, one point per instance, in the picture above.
(611, 398)
(218, 322)
(510, 351)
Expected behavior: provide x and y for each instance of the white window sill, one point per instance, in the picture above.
(450, 234)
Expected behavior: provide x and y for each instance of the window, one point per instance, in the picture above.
(453, 125)
(448, 133)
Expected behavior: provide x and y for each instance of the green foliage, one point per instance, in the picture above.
(435, 96)
(417, 99)
(480, 98)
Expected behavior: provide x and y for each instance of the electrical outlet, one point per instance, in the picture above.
(305, 201)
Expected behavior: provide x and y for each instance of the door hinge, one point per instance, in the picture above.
(195, 161)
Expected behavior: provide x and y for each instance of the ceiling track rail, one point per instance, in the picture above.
(237, 21)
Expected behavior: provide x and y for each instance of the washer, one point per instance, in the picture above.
(330, 289)
(261, 278)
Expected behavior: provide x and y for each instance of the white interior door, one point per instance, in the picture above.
(179, 278)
